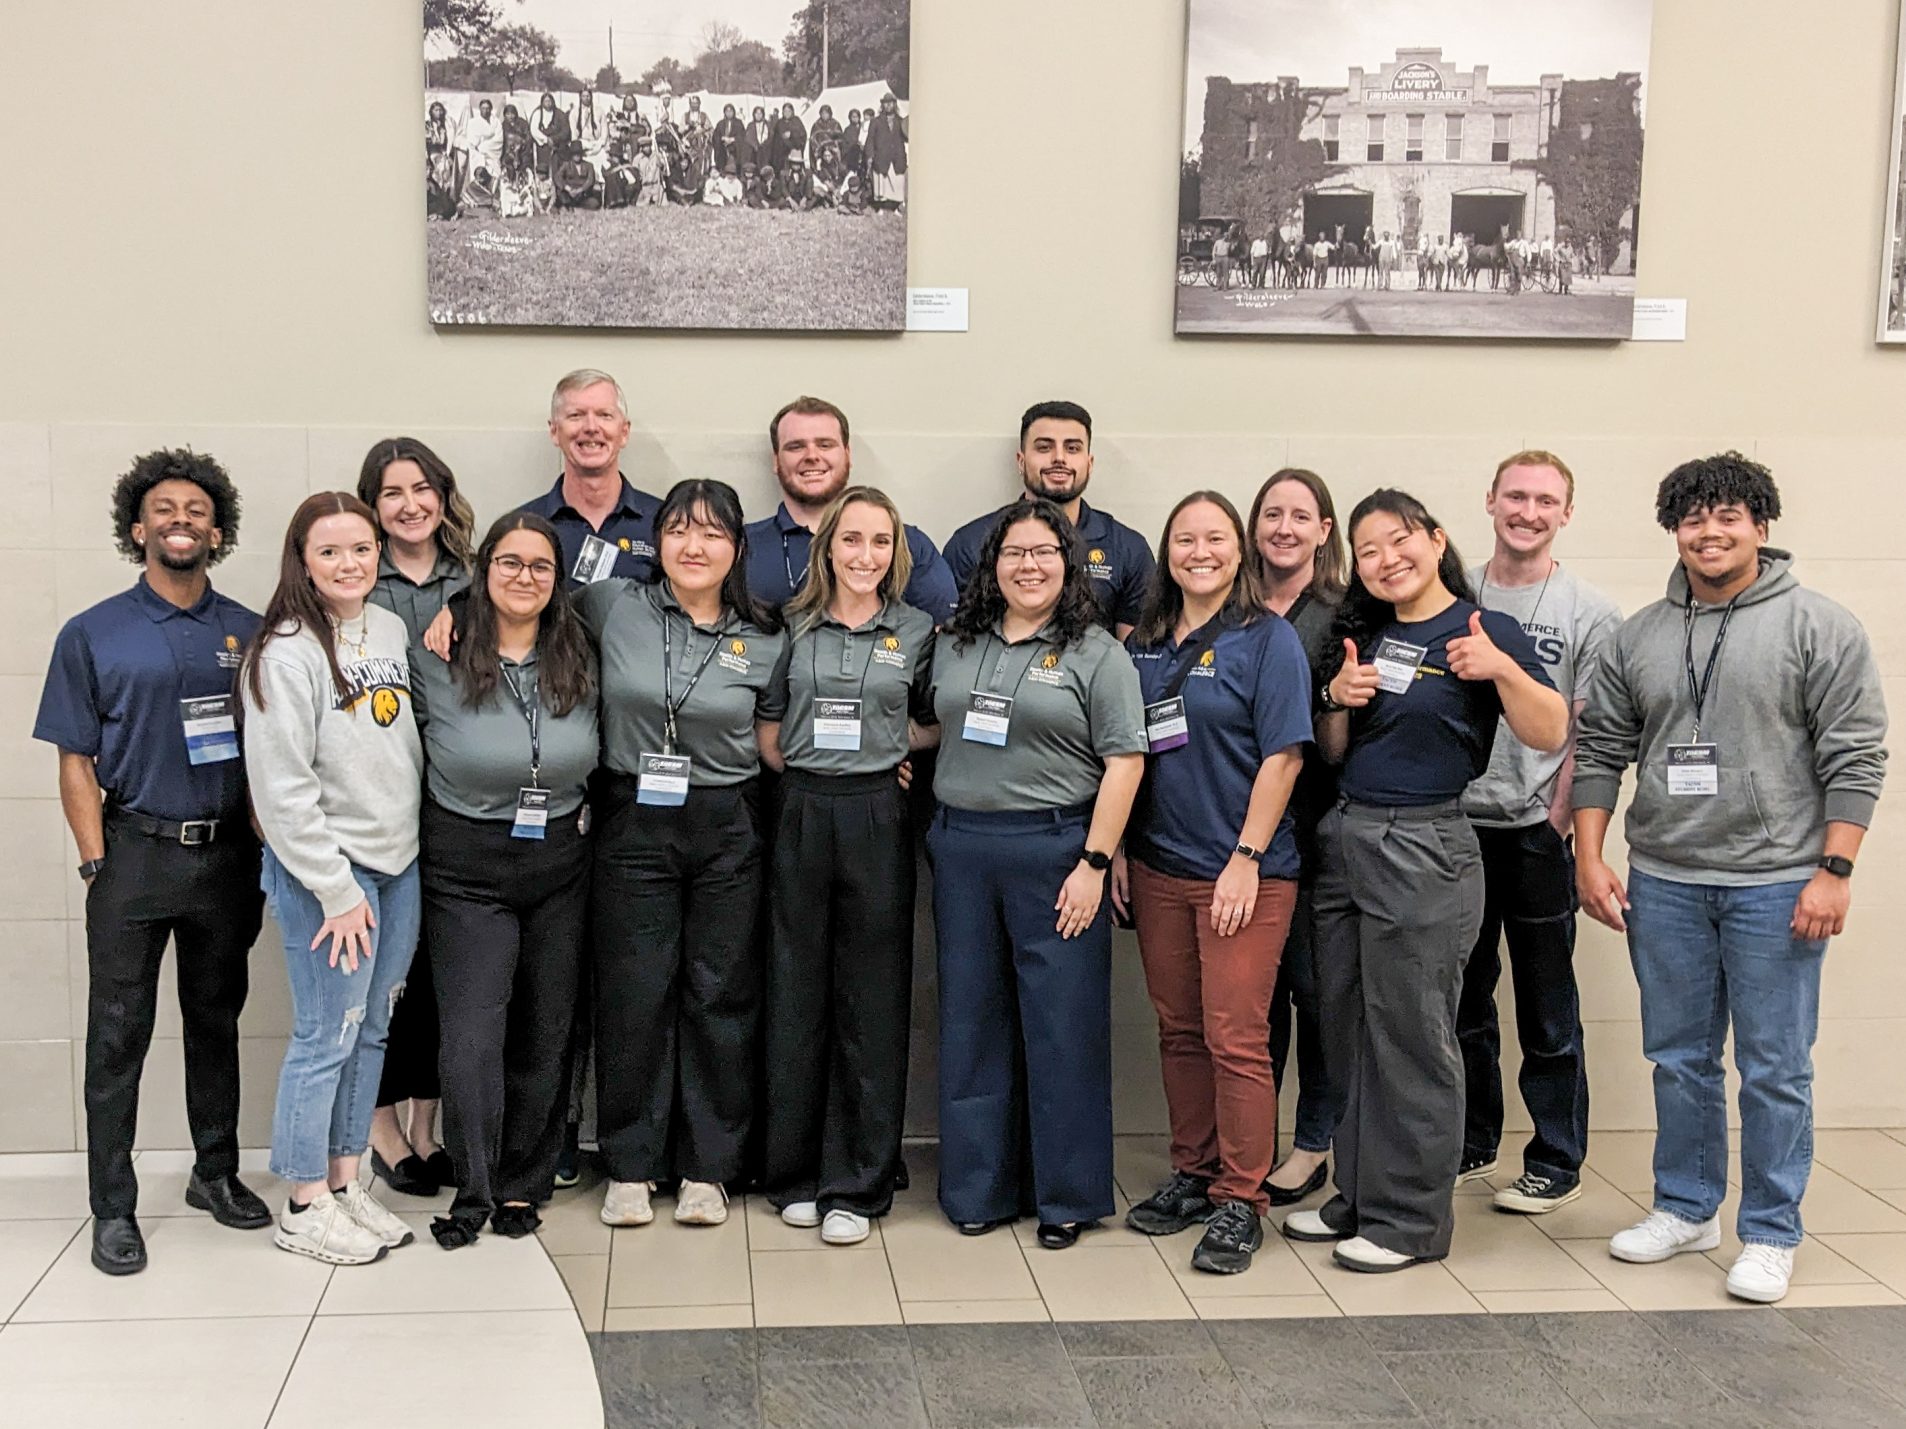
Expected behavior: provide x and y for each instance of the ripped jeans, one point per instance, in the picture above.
(327, 1088)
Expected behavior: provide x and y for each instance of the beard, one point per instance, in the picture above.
(1038, 485)
(835, 486)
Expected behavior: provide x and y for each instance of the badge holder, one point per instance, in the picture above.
(211, 731)
(988, 719)
(1166, 725)
(837, 724)
(1694, 769)
(1397, 662)
(532, 813)
(595, 561)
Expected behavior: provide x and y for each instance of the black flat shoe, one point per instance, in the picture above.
(1056, 1237)
(979, 1227)
(438, 1167)
(118, 1248)
(410, 1176)
(230, 1201)
(515, 1221)
(458, 1229)
(1290, 1196)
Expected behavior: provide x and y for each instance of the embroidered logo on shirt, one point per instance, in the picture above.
(623, 543)
(1095, 556)
(1207, 665)
(1047, 671)
(888, 652)
(1096, 565)
(230, 657)
(734, 657)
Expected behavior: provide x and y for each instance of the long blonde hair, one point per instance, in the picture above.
(810, 603)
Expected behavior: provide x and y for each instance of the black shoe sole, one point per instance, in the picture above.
(118, 1267)
(977, 1228)
(1235, 1264)
(245, 1223)
(1166, 1225)
(1290, 1196)
(1307, 1238)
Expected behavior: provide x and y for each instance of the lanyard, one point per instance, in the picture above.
(532, 707)
(814, 662)
(1194, 648)
(992, 685)
(787, 564)
(670, 705)
(1482, 589)
(1698, 693)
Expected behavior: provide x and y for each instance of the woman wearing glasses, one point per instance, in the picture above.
(509, 732)
(1042, 744)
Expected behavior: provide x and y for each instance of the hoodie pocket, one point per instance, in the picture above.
(1720, 830)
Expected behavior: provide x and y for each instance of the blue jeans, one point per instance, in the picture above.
(327, 1088)
(1705, 955)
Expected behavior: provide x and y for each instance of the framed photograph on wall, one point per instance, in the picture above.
(1892, 303)
(1468, 169)
(700, 164)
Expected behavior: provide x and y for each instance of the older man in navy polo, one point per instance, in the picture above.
(607, 526)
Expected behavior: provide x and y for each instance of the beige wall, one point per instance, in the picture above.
(198, 249)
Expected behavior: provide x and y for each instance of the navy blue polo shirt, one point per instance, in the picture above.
(113, 689)
(777, 566)
(1426, 745)
(1116, 558)
(1246, 699)
(630, 527)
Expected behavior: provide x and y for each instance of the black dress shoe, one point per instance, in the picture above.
(978, 1227)
(438, 1167)
(230, 1201)
(411, 1175)
(1291, 1195)
(118, 1248)
(1063, 1237)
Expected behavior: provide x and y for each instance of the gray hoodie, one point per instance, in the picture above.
(1794, 708)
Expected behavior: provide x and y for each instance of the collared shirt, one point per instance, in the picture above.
(1073, 707)
(1246, 698)
(714, 721)
(476, 760)
(1115, 558)
(777, 565)
(886, 664)
(113, 689)
(629, 527)
(417, 605)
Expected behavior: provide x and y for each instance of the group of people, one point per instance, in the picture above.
(602, 155)
(588, 781)
(1284, 258)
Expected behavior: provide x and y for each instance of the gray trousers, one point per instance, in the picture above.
(1399, 897)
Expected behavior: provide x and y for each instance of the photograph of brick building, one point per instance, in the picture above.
(1892, 305)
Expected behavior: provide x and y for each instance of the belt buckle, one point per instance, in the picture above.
(194, 832)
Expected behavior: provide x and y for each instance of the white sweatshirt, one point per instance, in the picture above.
(336, 782)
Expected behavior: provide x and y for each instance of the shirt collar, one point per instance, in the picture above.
(158, 608)
(626, 504)
(1091, 525)
(883, 619)
(664, 597)
(785, 523)
(445, 569)
(1043, 634)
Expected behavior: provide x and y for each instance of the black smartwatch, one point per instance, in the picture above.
(1839, 867)
(1325, 699)
(1244, 850)
(90, 869)
(1100, 861)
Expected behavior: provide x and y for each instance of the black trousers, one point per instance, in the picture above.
(505, 917)
(207, 901)
(1294, 1018)
(678, 982)
(839, 991)
(1529, 898)
(411, 1056)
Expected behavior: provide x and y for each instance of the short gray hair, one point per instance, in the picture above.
(585, 377)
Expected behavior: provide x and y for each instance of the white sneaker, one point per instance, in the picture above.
(845, 1228)
(1366, 1255)
(1761, 1274)
(365, 1210)
(325, 1231)
(1308, 1226)
(1663, 1235)
(626, 1203)
(701, 1203)
(804, 1214)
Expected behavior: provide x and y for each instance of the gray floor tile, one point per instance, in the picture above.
(1769, 1364)
(1734, 1418)
(1693, 1331)
(687, 1379)
(1310, 1371)
(1166, 1392)
(998, 1377)
(1126, 1339)
(1421, 1334)
(1615, 1364)
(855, 1394)
(831, 1344)
(1871, 1339)
(1481, 1389)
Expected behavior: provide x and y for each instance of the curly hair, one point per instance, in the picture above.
(983, 604)
(182, 464)
(1726, 480)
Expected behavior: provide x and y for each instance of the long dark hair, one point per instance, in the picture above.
(1331, 572)
(565, 663)
(1165, 599)
(983, 603)
(296, 604)
(458, 526)
(714, 502)
(1362, 615)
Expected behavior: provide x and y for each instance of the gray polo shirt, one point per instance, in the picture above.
(417, 605)
(1072, 707)
(714, 724)
(885, 664)
(475, 760)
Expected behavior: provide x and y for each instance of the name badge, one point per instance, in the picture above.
(988, 717)
(1694, 769)
(595, 561)
(532, 814)
(211, 734)
(662, 779)
(837, 724)
(1166, 726)
(1397, 662)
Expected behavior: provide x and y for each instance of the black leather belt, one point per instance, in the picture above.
(190, 832)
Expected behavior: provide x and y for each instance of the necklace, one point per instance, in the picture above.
(361, 640)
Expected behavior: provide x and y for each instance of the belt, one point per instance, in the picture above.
(1393, 813)
(190, 832)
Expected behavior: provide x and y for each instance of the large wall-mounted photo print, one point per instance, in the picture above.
(1892, 309)
(667, 163)
(1463, 169)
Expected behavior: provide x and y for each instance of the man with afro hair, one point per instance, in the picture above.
(139, 702)
(1751, 710)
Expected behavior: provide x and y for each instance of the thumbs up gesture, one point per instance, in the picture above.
(1475, 656)
(1355, 685)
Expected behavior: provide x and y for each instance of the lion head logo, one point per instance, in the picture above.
(1051, 662)
(231, 642)
(384, 706)
(737, 647)
(623, 543)
(1205, 659)
(893, 643)
(1096, 556)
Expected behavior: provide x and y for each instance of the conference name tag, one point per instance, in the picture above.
(988, 717)
(532, 814)
(1166, 726)
(211, 734)
(837, 724)
(662, 779)
(595, 561)
(1397, 662)
(1694, 769)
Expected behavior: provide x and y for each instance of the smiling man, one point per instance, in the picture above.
(607, 526)
(1753, 713)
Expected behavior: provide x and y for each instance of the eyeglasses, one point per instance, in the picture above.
(1042, 554)
(512, 567)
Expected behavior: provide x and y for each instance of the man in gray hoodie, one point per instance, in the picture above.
(1752, 711)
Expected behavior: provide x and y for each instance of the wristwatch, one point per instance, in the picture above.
(1326, 699)
(1839, 867)
(90, 868)
(1246, 851)
(1099, 861)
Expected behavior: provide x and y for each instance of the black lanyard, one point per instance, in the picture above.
(1698, 693)
(1194, 648)
(814, 661)
(992, 685)
(670, 705)
(532, 711)
(787, 564)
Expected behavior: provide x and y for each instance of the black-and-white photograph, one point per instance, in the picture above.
(1393, 169)
(1892, 305)
(667, 163)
